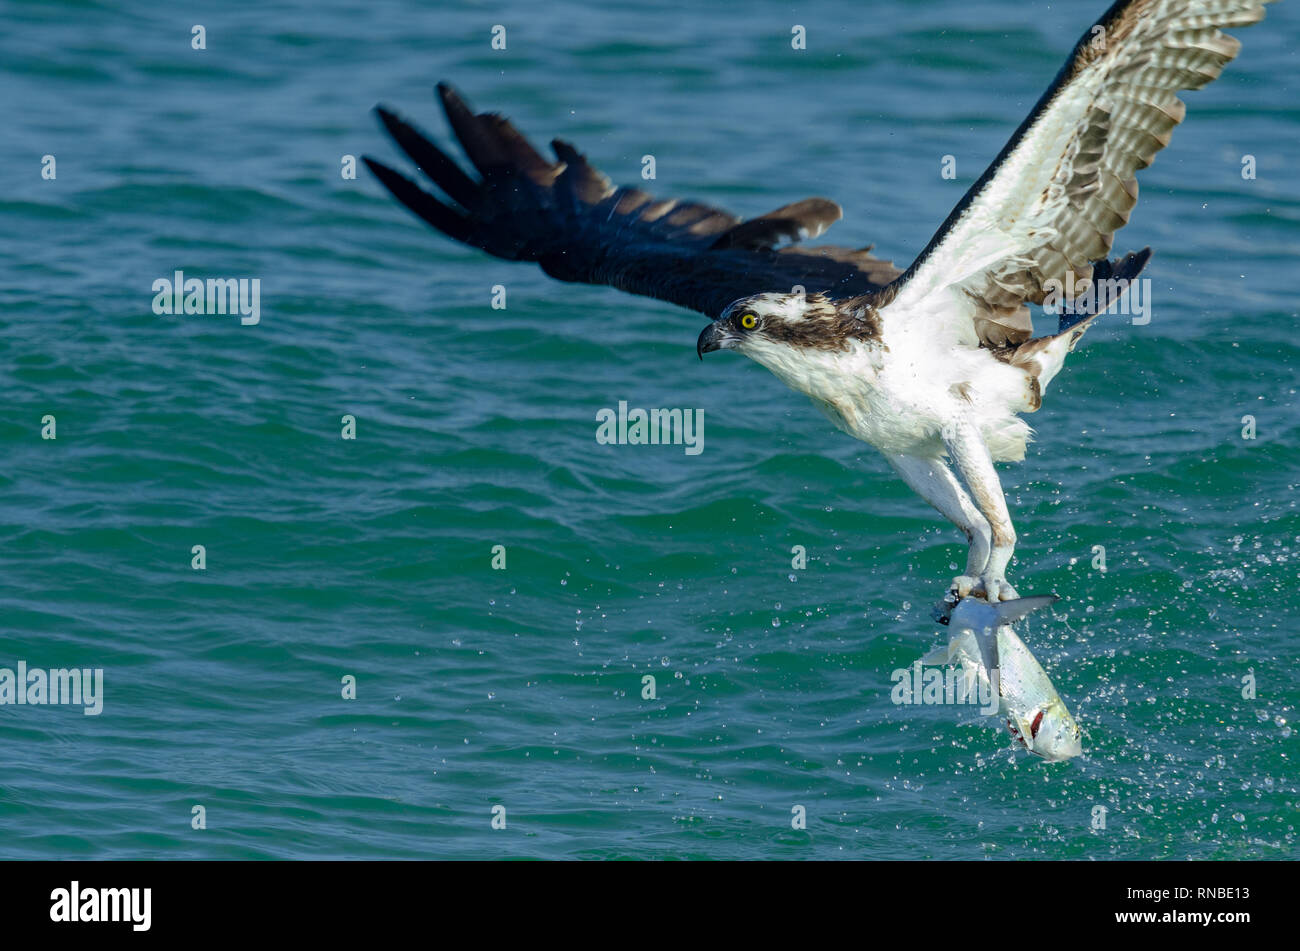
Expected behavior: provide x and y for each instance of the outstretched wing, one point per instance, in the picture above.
(1050, 203)
(567, 217)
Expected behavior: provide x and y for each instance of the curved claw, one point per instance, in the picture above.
(963, 585)
(942, 612)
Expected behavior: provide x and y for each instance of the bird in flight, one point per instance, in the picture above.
(931, 365)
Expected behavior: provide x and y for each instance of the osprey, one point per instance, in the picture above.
(931, 365)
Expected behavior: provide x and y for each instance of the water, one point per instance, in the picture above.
(521, 687)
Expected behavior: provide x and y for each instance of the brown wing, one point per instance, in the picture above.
(566, 216)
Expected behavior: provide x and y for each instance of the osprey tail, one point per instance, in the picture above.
(1043, 357)
(1110, 279)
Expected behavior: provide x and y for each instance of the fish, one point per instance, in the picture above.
(985, 644)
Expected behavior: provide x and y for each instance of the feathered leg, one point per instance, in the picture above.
(933, 481)
(970, 455)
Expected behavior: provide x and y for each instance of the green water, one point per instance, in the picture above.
(522, 687)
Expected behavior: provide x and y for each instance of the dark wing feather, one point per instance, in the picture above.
(568, 217)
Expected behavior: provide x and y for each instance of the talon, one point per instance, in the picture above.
(961, 586)
(942, 611)
(997, 589)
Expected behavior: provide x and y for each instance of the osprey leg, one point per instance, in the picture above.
(971, 456)
(933, 481)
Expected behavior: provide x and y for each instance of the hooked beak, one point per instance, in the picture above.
(714, 337)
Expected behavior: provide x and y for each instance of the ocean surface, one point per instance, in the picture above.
(521, 687)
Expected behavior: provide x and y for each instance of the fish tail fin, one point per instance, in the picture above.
(1009, 612)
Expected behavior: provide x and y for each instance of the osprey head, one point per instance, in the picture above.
(758, 325)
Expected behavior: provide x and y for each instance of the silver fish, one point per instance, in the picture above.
(984, 643)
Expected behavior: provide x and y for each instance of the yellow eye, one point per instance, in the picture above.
(749, 321)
